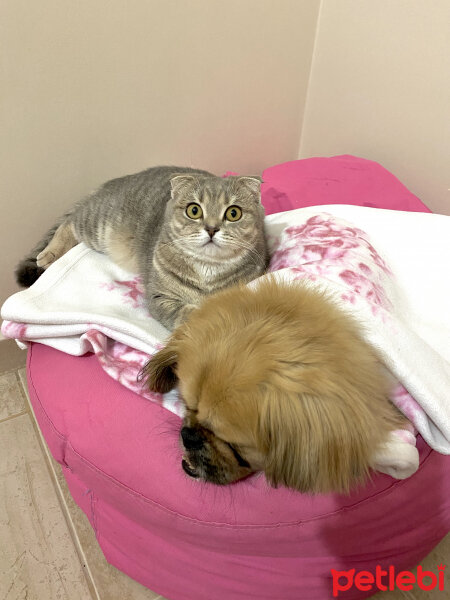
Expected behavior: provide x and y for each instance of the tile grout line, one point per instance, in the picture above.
(12, 370)
(73, 534)
(23, 391)
(408, 595)
(19, 414)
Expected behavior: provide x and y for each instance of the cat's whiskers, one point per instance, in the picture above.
(185, 243)
(176, 240)
(245, 246)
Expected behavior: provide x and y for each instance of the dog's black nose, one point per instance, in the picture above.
(192, 438)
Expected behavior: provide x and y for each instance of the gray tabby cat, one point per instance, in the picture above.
(187, 232)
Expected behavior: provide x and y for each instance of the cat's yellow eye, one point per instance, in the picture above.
(194, 211)
(233, 213)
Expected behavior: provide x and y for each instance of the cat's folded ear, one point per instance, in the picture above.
(250, 182)
(181, 182)
(159, 373)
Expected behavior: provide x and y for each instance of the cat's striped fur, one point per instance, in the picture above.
(141, 222)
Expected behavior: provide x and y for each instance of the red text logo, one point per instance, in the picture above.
(387, 579)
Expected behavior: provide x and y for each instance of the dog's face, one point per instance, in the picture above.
(211, 458)
(275, 379)
(218, 434)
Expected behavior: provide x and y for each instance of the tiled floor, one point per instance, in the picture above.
(48, 550)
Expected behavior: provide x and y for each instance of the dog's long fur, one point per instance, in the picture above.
(276, 378)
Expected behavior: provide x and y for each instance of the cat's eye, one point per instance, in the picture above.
(233, 213)
(194, 211)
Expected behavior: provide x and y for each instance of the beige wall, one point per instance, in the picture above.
(94, 89)
(380, 88)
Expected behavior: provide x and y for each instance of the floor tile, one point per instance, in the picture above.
(109, 583)
(12, 399)
(37, 557)
(11, 356)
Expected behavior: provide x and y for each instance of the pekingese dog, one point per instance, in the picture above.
(276, 378)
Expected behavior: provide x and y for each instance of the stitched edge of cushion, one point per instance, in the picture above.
(139, 496)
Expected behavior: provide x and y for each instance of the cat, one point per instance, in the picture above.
(187, 232)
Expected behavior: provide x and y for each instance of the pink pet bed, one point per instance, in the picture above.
(186, 540)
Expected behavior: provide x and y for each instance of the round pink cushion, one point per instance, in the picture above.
(193, 541)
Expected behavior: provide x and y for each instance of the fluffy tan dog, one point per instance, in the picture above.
(276, 378)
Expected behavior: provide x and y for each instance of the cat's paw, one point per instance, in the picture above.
(45, 258)
(62, 241)
(184, 313)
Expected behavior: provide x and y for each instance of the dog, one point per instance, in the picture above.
(277, 378)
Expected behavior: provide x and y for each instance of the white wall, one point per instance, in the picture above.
(380, 88)
(94, 89)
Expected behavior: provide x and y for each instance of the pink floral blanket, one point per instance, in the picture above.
(366, 259)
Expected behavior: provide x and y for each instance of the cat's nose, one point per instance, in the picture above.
(211, 230)
(192, 438)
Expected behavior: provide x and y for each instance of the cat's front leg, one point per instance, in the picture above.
(184, 313)
(169, 311)
(63, 240)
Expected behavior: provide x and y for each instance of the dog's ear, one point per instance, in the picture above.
(313, 444)
(159, 373)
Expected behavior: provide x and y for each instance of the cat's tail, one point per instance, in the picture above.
(27, 271)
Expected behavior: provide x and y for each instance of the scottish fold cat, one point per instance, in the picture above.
(187, 232)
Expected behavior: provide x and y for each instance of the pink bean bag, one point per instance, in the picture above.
(192, 541)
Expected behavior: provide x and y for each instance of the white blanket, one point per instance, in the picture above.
(84, 302)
